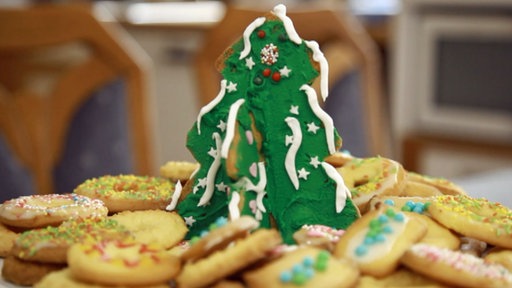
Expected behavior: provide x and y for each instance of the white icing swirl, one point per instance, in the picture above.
(342, 191)
(246, 36)
(319, 57)
(234, 211)
(280, 11)
(175, 196)
(212, 173)
(294, 125)
(208, 107)
(260, 187)
(322, 115)
(230, 127)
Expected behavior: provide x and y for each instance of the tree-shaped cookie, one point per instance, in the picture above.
(261, 142)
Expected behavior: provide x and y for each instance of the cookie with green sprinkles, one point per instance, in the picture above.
(477, 218)
(129, 192)
(50, 244)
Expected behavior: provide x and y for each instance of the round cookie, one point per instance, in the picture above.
(437, 234)
(319, 236)
(481, 219)
(304, 267)
(235, 257)
(7, 237)
(403, 203)
(378, 239)
(402, 277)
(178, 170)
(128, 192)
(500, 256)
(153, 226)
(444, 185)
(368, 177)
(222, 234)
(455, 268)
(51, 209)
(64, 279)
(122, 262)
(50, 244)
(418, 189)
(26, 273)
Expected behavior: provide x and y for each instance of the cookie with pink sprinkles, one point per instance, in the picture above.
(35, 211)
(456, 268)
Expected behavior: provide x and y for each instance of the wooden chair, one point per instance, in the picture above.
(41, 93)
(342, 40)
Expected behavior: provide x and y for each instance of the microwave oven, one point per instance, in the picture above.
(453, 69)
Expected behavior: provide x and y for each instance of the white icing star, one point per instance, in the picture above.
(212, 152)
(189, 220)
(249, 63)
(288, 140)
(312, 127)
(202, 182)
(285, 72)
(303, 174)
(222, 126)
(196, 188)
(231, 87)
(221, 187)
(294, 109)
(314, 162)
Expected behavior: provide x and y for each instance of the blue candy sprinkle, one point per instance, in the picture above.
(389, 202)
(297, 268)
(308, 261)
(399, 217)
(380, 238)
(383, 218)
(410, 204)
(285, 276)
(309, 273)
(387, 229)
(221, 221)
(368, 240)
(361, 250)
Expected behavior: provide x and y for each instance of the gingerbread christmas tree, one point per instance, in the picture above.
(261, 142)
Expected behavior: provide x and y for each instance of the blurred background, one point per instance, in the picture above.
(425, 82)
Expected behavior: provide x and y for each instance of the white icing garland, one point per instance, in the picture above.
(322, 115)
(230, 127)
(260, 187)
(247, 33)
(342, 192)
(212, 173)
(234, 211)
(208, 107)
(319, 57)
(175, 196)
(289, 163)
(280, 11)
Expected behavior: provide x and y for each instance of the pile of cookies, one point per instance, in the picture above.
(405, 237)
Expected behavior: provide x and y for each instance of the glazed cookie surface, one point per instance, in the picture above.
(378, 239)
(50, 244)
(64, 279)
(7, 237)
(52, 209)
(304, 267)
(128, 192)
(153, 226)
(121, 262)
(480, 218)
(456, 268)
(369, 177)
(225, 262)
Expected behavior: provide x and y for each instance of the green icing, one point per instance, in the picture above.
(267, 104)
